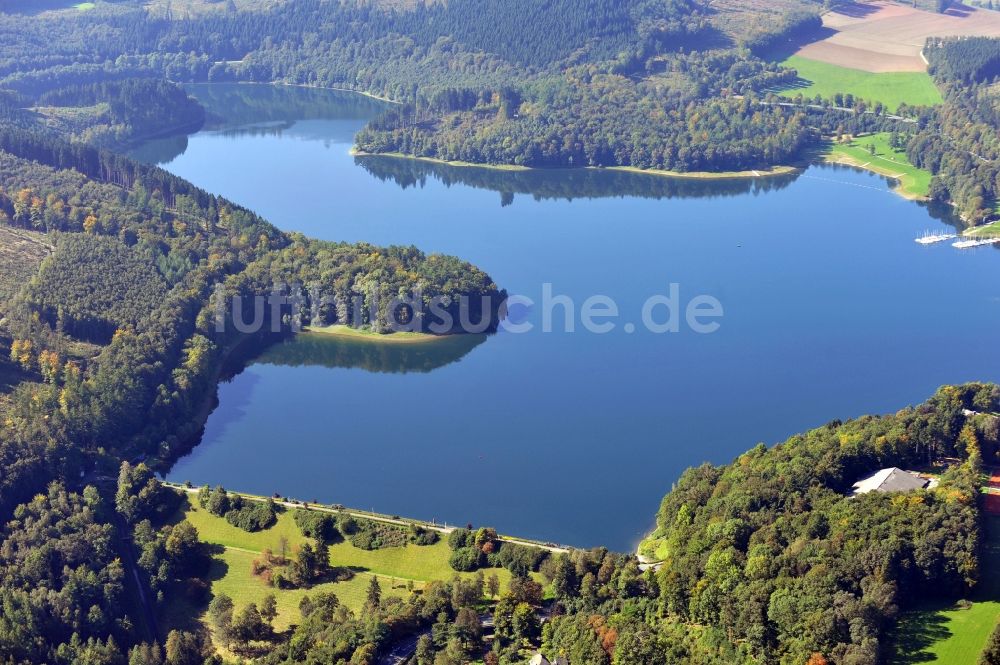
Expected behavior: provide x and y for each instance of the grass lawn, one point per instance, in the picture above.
(945, 634)
(892, 88)
(654, 548)
(231, 575)
(991, 230)
(237, 549)
(913, 182)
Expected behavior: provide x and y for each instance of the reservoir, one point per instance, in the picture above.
(829, 310)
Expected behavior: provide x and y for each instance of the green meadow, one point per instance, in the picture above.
(891, 88)
(885, 160)
(234, 550)
(949, 634)
(991, 230)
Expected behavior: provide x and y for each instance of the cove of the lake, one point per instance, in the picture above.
(831, 310)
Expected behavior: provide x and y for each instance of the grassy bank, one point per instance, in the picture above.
(433, 160)
(914, 183)
(890, 88)
(991, 230)
(708, 175)
(653, 549)
(371, 336)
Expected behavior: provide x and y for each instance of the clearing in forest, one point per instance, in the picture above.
(21, 252)
(890, 88)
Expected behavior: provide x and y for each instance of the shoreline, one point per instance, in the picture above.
(689, 175)
(162, 463)
(290, 503)
(774, 171)
(286, 84)
(898, 189)
(347, 332)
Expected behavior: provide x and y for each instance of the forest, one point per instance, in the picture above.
(961, 145)
(112, 349)
(117, 114)
(602, 120)
(116, 341)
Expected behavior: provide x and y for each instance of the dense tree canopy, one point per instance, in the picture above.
(116, 347)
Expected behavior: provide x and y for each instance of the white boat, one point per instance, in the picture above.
(931, 238)
(966, 244)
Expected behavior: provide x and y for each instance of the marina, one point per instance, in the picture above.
(931, 238)
(979, 242)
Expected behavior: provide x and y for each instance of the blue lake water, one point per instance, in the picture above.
(831, 310)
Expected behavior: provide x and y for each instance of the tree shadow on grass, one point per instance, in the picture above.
(798, 84)
(188, 598)
(916, 633)
(924, 627)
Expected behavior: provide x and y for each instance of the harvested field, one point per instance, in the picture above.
(20, 254)
(886, 37)
(746, 19)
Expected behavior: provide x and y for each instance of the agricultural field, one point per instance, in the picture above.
(885, 160)
(234, 550)
(890, 88)
(873, 50)
(889, 37)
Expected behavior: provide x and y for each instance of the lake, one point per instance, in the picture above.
(831, 310)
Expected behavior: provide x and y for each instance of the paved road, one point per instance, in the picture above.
(407, 646)
(403, 650)
(128, 551)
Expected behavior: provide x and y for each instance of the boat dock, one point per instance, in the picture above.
(931, 238)
(979, 242)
